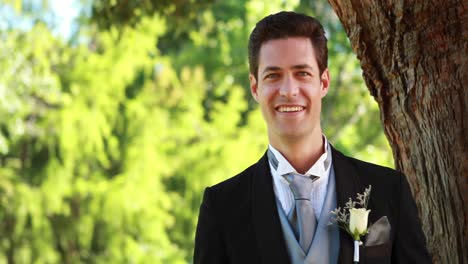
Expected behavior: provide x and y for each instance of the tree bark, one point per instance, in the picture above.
(414, 60)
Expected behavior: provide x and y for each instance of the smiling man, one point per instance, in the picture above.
(289, 87)
(278, 210)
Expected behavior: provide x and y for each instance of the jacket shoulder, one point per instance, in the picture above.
(233, 190)
(235, 181)
(370, 170)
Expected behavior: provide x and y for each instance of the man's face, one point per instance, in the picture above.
(289, 88)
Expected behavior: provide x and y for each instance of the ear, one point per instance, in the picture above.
(324, 82)
(253, 86)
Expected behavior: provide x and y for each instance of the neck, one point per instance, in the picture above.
(301, 153)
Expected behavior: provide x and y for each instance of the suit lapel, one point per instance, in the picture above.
(266, 222)
(348, 184)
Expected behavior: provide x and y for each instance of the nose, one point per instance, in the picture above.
(289, 87)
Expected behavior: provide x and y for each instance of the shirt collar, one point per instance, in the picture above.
(319, 168)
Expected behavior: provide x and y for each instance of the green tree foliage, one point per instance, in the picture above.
(108, 141)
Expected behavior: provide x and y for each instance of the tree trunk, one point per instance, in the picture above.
(414, 60)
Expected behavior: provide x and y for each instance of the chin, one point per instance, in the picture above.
(291, 133)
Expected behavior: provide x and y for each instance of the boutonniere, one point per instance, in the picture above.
(353, 219)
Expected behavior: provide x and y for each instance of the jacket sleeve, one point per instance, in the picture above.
(410, 243)
(209, 245)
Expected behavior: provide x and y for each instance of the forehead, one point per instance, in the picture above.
(287, 52)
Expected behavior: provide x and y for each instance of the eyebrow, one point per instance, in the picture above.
(271, 68)
(295, 67)
(302, 66)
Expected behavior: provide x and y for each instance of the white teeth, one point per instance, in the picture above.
(290, 108)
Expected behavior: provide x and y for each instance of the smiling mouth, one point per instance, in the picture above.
(288, 109)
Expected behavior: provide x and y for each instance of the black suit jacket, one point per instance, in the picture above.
(239, 222)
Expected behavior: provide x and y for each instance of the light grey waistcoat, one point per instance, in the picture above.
(326, 242)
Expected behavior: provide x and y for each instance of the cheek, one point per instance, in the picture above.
(318, 90)
(268, 93)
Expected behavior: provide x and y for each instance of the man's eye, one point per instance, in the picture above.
(271, 76)
(303, 73)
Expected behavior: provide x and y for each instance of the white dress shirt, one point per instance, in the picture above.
(321, 169)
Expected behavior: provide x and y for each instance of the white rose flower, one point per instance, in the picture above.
(358, 222)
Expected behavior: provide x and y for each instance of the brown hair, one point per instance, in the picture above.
(283, 25)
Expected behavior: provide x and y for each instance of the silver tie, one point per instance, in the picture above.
(302, 217)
